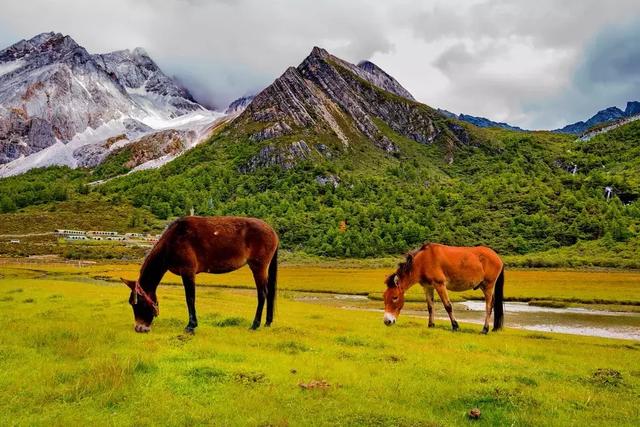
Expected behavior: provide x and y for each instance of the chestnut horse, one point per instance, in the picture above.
(452, 268)
(193, 245)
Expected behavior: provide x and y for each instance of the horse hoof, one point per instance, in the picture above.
(455, 327)
(431, 325)
(267, 325)
(485, 330)
(255, 326)
(189, 330)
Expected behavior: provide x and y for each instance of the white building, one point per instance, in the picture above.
(77, 237)
(102, 233)
(62, 232)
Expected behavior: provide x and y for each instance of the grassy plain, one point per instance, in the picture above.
(586, 287)
(69, 355)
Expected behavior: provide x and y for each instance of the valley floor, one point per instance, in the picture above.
(70, 355)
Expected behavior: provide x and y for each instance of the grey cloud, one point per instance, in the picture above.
(223, 48)
(606, 76)
(463, 55)
(544, 22)
(614, 56)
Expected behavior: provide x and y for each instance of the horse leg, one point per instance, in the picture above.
(488, 300)
(260, 276)
(428, 291)
(444, 297)
(189, 282)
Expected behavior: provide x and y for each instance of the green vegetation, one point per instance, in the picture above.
(69, 356)
(620, 288)
(513, 191)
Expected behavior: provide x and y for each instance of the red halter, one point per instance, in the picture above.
(139, 291)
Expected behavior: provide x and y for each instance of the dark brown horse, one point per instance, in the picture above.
(451, 268)
(193, 245)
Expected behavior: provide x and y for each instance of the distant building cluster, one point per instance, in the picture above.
(105, 235)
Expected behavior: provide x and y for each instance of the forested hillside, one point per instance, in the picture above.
(374, 174)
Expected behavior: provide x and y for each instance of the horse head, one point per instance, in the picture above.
(145, 307)
(396, 283)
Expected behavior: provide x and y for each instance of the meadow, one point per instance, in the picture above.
(69, 355)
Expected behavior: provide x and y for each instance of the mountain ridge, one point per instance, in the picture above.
(342, 167)
(604, 116)
(55, 98)
(333, 96)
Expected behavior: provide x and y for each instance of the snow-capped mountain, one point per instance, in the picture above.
(147, 84)
(55, 97)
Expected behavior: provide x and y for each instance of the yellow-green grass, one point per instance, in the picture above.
(585, 287)
(69, 356)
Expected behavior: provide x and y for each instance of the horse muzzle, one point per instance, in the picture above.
(142, 328)
(389, 319)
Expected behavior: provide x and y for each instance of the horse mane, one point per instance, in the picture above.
(424, 246)
(406, 266)
(153, 266)
(389, 281)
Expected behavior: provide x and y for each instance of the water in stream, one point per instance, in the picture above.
(579, 321)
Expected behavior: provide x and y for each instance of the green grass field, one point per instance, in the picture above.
(69, 355)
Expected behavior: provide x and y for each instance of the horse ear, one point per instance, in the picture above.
(130, 283)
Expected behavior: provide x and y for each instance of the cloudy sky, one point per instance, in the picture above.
(536, 64)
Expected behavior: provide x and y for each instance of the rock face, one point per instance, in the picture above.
(326, 95)
(146, 83)
(285, 156)
(378, 77)
(170, 142)
(52, 89)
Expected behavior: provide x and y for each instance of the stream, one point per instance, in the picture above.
(520, 315)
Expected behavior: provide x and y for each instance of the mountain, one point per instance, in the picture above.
(335, 105)
(343, 163)
(55, 97)
(239, 105)
(633, 109)
(146, 84)
(608, 115)
(377, 76)
(478, 121)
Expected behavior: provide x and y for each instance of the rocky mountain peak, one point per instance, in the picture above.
(140, 75)
(380, 78)
(52, 89)
(319, 53)
(633, 108)
(331, 96)
(46, 48)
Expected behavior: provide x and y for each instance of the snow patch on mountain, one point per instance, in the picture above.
(11, 66)
(75, 152)
(55, 98)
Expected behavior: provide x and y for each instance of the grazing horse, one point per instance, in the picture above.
(193, 245)
(452, 268)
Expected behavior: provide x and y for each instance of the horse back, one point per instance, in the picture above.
(459, 267)
(218, 244)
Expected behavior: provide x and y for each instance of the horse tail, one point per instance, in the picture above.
(272, 283)
(498, 302)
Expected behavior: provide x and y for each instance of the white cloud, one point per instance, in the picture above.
(509, 60)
